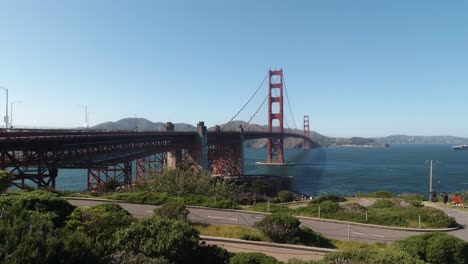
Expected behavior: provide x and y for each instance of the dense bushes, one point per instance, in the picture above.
(100, 222)
(281, 228)
(29, 233)
(173, 210)
(364, 256)
(328, 197)
(174, 240)
(286, 196)
(38, 201)
(161, 198)
(436, 248)
(5, 181)
(252, 258)
(31, 236)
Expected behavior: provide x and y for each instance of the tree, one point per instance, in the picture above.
(5, 181)
(39, 201)
(279, 227)
(31, 237)
(100, 221)
(286, 196)
(172, 210)
(252, 258)
(159, 237)
(436, 248)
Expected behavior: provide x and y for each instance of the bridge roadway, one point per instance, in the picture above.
(339, 230)
(36, 155)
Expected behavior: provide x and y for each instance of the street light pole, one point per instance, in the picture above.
(6, 108)
(11, 112)
(431, 163)
(86, 125)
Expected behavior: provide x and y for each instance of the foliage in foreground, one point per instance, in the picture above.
(40, 202)
(100, 222)
(436, 248)
(174, 240)
(5, 181)
(364, 256)
(280, 228)
(31, 237)
(252, 258)
(32, 231)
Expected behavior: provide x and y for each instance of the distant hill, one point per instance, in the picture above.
(141, 125)
(403, 139)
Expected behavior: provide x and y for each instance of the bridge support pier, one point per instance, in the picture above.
(42, 173)
(199, 150)
(109, 176)
(150, 165)
(226, 154)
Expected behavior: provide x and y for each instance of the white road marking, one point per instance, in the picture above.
(224, 218)
(149, 211)
(257, 217)
(354, 233)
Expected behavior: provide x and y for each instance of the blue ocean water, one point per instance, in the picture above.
(349, 170)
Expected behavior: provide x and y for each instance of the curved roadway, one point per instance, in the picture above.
(346, 231)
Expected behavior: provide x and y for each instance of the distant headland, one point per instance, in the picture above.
(142, 124)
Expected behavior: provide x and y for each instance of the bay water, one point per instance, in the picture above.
(350, 170)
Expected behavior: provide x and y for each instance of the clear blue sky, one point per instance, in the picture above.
(358, 68)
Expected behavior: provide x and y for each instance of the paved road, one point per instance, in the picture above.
(328, 228)
(460, 216)
(278, 251)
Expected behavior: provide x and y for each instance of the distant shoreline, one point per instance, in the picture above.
(363, 146)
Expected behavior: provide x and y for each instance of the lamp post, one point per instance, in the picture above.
(431, 163)
(5, 119)
(86, 124)
(11, 112)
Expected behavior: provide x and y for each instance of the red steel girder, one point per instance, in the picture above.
(275, 96)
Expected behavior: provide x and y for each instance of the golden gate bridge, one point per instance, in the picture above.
(34, 157)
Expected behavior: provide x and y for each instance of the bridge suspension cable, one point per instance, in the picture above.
(255, 114)
(289, 103)
(243, 107)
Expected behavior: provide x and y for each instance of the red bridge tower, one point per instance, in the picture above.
(275, 112)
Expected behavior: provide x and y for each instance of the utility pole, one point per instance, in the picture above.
(431, 164)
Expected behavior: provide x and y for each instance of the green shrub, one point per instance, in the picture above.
(382, 194)
(251, 237)
(123, 257)
(172, 210)
(5, 181)
(435, 248)
(286, 196)
(279, 227)
(141, 197)
(328, 197)
(39, 201)
(159, 237)
(100, 221)
(30, 237)
(383, 203)
(252, 258)
(392, 256)
(308, 237)
(355, 256)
